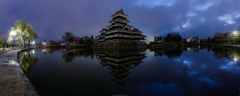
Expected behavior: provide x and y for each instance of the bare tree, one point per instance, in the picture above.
(218, 37)
(67, 36)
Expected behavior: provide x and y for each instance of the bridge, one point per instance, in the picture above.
(54, 46)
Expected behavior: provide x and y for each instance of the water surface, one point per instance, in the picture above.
(193, 71)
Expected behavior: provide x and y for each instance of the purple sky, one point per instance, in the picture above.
(51, 18)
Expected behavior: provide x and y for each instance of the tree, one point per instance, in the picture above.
(76, 38)
(24, 32)
(208, 39)
(160, 38)
(50, 42)
(68, 36)
(27, 61)
(178, 38)
(71, 39)
(155, 39)
(3, 36)
(168, 38)
(81, 41)
(95, 41)
(228, 37)
(1, 42)
(173, 36)
(218, 37)
(236, 37)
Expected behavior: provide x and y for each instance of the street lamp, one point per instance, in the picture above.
(234, 32)
(33, 42)
(13, 33)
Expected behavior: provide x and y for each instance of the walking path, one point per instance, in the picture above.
(227, 45)
(13, 81)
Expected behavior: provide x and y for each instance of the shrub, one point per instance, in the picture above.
(1, 46)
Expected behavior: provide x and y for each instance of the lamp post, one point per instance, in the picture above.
(234, 34)
(13, 33)
(44, 44)
(33, 43)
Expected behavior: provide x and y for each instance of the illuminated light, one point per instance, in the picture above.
(235, 59)
(234, 32)
(13, 33)
(11, 39)
(25, 53)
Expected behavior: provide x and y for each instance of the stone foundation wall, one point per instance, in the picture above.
(120, 43)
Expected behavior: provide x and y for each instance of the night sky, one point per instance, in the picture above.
(51, 18)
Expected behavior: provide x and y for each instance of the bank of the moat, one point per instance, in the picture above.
(13, 81)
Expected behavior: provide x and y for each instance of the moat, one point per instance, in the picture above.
(191, 71)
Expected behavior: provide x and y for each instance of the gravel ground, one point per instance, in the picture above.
(13, 81)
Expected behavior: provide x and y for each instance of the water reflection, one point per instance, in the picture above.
(120, 62)
(218, 52)
(69, 55)
(189, 71)
(27, 60)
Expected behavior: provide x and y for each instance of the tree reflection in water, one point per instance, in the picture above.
(171, 53)
(218, 52)
(221, 52)
(27, 60)
(69, 55)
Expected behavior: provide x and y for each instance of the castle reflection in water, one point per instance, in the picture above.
(120, 62)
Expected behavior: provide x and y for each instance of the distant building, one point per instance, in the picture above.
(195, 38)
(189, 39)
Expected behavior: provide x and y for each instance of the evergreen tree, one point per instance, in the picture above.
(155, 38)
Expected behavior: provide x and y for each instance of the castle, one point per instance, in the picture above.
(119, 33)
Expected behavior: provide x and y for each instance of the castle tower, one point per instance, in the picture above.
(119, 31)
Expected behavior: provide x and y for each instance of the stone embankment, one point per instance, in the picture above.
(13, 81)
(222, 45)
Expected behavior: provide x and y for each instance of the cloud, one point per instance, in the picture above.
(202, 20)
(204, 6)
(154, 3)
(51, 18)
(207, 80)
(161, 89)
(229, 18)
(191, 14)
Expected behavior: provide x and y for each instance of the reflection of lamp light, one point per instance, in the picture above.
(33, 51)
(235, 59)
